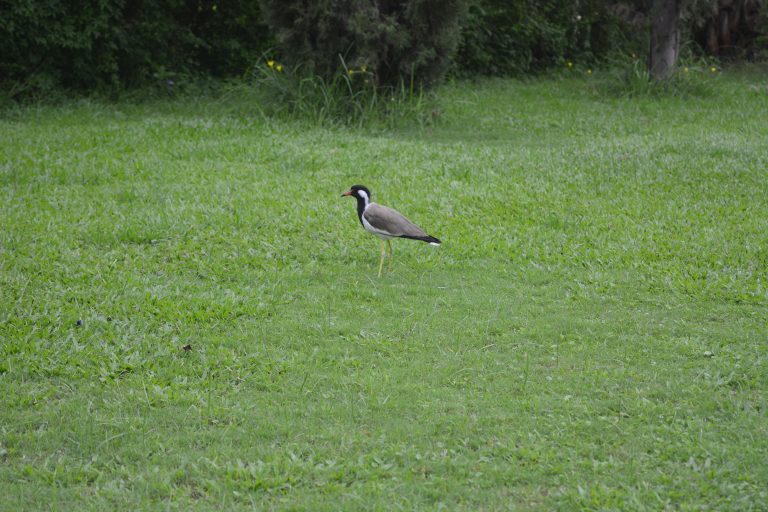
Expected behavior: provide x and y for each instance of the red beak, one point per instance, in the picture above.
(347, 193)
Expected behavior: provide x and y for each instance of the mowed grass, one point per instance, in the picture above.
(591, 334)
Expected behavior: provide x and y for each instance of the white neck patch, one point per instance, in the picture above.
(365, 197)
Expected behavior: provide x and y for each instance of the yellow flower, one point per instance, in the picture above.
(350, 72)
(685, 69)
(589, 71)
(713, 69)
(271, 64)
(569, 64)
(279, 68)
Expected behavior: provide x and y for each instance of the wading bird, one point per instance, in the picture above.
(385, 223)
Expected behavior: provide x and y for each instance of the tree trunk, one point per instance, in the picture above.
(665, 38)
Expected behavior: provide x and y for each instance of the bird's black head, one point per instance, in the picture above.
(359, 192)
(363, 196)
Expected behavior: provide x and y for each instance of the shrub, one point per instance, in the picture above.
(113, 43)
(396, 40)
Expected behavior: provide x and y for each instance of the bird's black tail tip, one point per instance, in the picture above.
(429, 239)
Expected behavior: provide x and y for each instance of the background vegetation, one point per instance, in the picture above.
(113, 45)
(97, 44)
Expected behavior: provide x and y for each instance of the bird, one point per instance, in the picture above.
(385, 222)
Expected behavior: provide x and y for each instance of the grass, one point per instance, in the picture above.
(591, 334)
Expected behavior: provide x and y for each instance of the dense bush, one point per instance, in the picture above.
(517, 37)
(116, 43)
(393, 40)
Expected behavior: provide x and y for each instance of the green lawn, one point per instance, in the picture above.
(591, 334)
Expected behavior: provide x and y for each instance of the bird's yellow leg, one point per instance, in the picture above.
(381, 260)
(389, 244)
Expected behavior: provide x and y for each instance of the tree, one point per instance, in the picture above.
(394, 40)
(665, 38)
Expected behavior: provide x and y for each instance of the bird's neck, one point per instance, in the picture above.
(362, 204)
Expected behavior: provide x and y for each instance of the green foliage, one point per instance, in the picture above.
(396, 40)
(59, 43)
(520, 37)
(111, 43)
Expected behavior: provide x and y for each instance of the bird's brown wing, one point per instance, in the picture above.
(391, 222)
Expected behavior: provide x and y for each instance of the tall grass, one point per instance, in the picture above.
(350, 97)
(629, 77)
